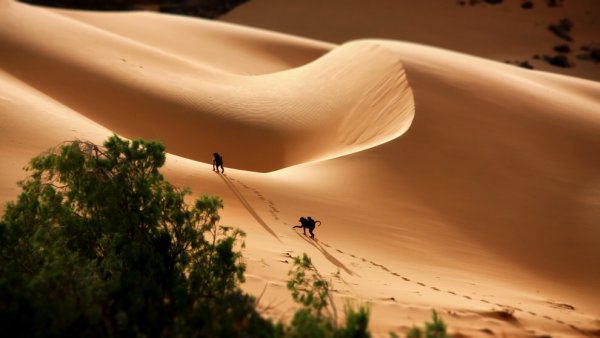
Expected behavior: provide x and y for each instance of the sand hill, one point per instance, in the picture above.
(502, 32)
(443, 180)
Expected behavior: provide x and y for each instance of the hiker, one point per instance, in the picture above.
(307, 224)
(218, 162)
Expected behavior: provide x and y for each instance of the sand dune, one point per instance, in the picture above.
(276, 117)
(502, 32)
(443, 180)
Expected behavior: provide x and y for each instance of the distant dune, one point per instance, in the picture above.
(443, 180)
(502, 32)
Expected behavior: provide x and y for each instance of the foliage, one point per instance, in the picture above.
(312, 291)
(435, 329)
(99, 244)
(318, 316)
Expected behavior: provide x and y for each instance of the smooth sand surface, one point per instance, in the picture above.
(443, 180)
(502, 32)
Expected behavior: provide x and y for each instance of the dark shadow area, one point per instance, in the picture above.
(247, 205)
(327, 255)
(200, 8)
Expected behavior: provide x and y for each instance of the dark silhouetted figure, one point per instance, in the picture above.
(307, 224)
(218, 162)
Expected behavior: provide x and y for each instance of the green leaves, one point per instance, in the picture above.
(98, 243)
(309, 290)
(317, 317)
(435, 329)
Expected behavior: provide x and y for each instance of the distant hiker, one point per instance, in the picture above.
(307, 224)
(218, 162)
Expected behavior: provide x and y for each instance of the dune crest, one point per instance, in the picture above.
(352, 98)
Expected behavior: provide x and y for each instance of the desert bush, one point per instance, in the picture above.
(434, 329)
(559, 60)
(562, 29)
(318, 316)
(590, 52)
(527, 4)
(99, 244)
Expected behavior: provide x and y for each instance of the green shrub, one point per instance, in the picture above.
(99, 244)
(318, 316)
(435, 329)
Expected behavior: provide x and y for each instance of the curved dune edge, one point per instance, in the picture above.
(352, 98)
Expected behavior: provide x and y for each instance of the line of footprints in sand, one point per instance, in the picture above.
(275, 213)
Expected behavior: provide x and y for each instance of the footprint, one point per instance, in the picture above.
(561, 305)
(548, 317)
(406, 279)
(467, 297)
(488, 331)
(485, 301)
(395, 274)
(452, 293)
(422, 284)
(434, 288)
(532, 313)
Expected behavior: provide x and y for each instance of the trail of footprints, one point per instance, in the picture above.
(275, 213)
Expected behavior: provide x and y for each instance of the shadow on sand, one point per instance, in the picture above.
(247, 205)
(327, 255)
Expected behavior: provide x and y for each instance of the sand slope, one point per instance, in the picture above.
(442, 180)
(503, 32)
(232, 110)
